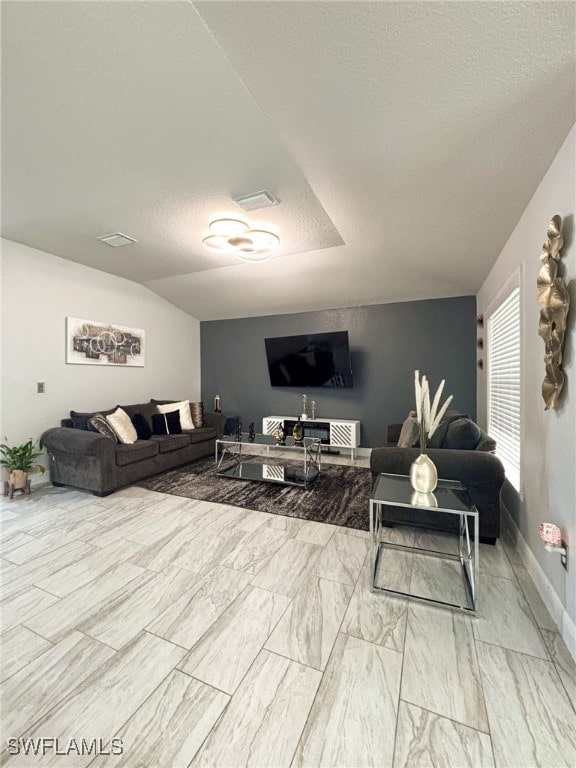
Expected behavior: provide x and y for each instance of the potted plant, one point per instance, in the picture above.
(20, 462)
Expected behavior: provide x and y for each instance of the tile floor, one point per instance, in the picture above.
(206, 635)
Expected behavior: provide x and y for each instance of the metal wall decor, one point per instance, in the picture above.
(91, 342)
(554, 301)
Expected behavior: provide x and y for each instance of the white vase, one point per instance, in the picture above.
(423, 474)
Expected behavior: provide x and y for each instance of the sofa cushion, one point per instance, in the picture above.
(437, 439)
(146, 409)
(183, 408)
(200, 434)
(462, 434)
(167, 443)
(129, 454)
(141, 426)
(80, 420)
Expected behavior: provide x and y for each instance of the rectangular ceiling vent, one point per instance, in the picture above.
(257, 200)
(117, 239)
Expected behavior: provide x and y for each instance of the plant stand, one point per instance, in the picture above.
(9, 488)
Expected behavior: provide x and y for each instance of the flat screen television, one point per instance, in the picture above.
(311, 360)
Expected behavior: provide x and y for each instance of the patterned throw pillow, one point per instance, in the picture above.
(122, 426)
(197, 410)
(99, 424)
(409, 433)
(184, 408)
(141, 426)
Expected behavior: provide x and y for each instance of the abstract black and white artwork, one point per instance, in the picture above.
(91, 342)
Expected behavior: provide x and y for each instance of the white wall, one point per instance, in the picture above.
(39, 291)
(549, 437)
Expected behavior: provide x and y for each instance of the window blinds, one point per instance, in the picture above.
(504, 384)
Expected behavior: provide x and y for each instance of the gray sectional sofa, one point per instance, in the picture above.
(85, 459)
(462, 451)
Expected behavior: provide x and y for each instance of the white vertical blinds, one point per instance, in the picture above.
(504, 375)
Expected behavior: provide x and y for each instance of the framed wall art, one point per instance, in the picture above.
(91, 342)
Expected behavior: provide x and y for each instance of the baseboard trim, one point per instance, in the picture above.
(557, 611)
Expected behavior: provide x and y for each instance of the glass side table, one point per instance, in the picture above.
(450, 498)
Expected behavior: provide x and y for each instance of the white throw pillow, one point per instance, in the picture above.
(184, 408)
(122, 426)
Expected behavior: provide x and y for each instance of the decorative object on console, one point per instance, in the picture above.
(91, 342)
(251, 432)
(239, 431)
(313, 409)
(298, 431)
(304, 414)
(280, 436)
(423, 474)
(20, 461)
(428, 500)
(554, 302)
(217, 406)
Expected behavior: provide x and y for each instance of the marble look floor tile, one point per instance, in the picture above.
(208, 550)
(563, 661)
(353, 718)
(308, 629)
(265, 718)
(315, 533)
(254, 550)
(170, 726)
(226, 651)
(108, 698)
(396, 561)
(47, 542)
(537, 606)
(342, 558)
(86, 569)
(494, 562)
(58, 620)
(188, 618)
(357, 532)
(436, 541)
(531, 719)
(42, 567)
(440, 666)
(426, 740)
(6, 566)
(20, 606)
(436, 578)
(504, 618)
(165, 551)
(18, 647)
(375, 616)
(288, 567)
(138, 521)
(253, 521)
(405, 535)
(62, 531)
(47, 680)
(11, 541)
(123, 618)
(290, 525)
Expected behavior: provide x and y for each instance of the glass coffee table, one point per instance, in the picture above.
(449, 499)
(230, 462)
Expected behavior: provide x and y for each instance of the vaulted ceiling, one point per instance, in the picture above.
(402, 139)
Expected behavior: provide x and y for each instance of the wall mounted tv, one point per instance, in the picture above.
(312, 360)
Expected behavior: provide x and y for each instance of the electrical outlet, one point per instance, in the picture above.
(40, 388)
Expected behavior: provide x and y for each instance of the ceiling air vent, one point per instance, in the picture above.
(117, 239)
(256, 200)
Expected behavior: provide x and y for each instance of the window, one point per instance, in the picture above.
(504, 383)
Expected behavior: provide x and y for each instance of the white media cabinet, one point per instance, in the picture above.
(334, 433)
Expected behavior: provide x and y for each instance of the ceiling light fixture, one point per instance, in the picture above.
(230, 234)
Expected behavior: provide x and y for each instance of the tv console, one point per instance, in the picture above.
(333, 433)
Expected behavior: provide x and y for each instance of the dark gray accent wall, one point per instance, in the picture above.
(387, 343)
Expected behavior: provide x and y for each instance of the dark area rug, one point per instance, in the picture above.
(339, 496)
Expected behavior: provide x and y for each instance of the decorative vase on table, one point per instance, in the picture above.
(423, 472)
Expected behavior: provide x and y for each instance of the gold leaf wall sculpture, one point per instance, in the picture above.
(554, 301)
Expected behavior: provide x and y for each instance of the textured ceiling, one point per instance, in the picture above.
(403, 140)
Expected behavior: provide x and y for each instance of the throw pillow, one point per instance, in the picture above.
(462, 434)
(197, 410)
(122, 426)
(409, 433)
(80, 420)
(141, 426)
(184, 408)
(166, 423)
(99, 424)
